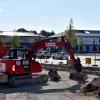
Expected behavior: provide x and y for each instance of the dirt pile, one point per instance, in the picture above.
(65, 67)
(92, 70)
(92, 88)
(61, 67)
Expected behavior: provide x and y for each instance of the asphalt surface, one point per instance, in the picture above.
(65, 89)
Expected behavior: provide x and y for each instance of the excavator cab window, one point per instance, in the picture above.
(17, 54)
(11, 54)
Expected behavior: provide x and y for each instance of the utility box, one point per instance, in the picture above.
(88, 60)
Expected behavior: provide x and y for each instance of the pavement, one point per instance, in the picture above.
(65, 89)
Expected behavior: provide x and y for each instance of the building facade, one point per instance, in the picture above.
(88, 41)
(26, 38)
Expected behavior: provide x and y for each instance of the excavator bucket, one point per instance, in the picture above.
(53, 75)
(78, 73)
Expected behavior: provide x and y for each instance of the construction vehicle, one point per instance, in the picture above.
(19, 65)
(3, 49)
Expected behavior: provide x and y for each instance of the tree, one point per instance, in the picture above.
(70, 34)
(45, 33)
(15, 41)
(22, 30)
(35, 32)
(52, 33)
(1, 41)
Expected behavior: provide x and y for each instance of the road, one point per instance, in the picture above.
(65, 89)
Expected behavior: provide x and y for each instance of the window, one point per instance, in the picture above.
(99, 40)
(87, 48)
(94, 48)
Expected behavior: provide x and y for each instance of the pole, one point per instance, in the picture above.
(95, 57)
(95, 52)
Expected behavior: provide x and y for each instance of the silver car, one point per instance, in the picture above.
(60, 55)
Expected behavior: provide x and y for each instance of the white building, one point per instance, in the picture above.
(26, 38)
(87, 40)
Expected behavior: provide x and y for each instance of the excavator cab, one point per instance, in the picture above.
(18, 54)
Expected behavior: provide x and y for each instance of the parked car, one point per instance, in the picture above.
(60, 55)
(43, 54)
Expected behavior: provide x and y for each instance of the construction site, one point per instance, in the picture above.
(23, 76)
(49, 49)
(65, 89)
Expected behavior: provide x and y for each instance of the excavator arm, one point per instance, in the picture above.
(36, 46)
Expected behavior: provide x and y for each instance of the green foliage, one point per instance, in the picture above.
(22, 30)
(70, 34)
(52, 33)
(15, 41)
(45, 33)
(1, 41)
(35, 32)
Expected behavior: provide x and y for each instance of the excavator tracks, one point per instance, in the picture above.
(15, 81)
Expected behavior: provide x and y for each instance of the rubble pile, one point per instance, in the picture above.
(92, 88)
(61, 67)
(92, 70)
(65, 67)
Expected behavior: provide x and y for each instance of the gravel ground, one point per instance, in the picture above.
(65, 89)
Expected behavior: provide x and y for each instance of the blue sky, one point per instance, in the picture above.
(49, 14)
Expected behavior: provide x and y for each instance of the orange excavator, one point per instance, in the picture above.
(19, 65)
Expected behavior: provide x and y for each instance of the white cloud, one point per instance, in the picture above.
(1, 10)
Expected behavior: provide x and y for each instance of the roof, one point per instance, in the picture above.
(88, 34)
(79, 34)
(58, 35)
(17, 34)
(89, 31)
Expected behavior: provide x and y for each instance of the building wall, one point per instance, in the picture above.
(89, 44)
(86, 42)
(25, 41)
